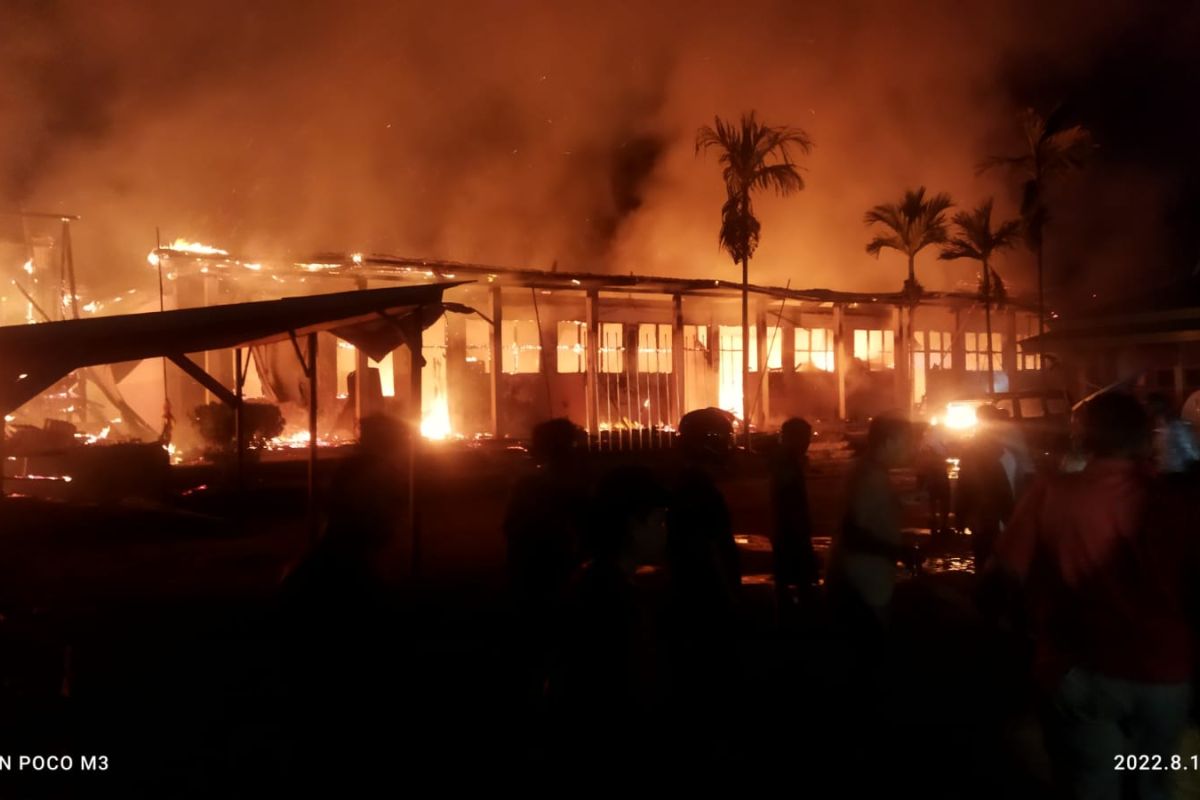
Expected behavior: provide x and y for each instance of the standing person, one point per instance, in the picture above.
(543, 529)
(1175, 449)
(704, 588)
(985, 487)
(1100, 555)
(934, 479)
(862, 564)
(703, 556)
(341, 653)
(791, 540)
(605, 673)
(860, 578)
(1015, 456)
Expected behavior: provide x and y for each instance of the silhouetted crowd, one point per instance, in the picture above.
(628, 638)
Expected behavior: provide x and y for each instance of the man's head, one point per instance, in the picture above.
(795, 436)
(890, 440)
(1159, 406)
(383, 438)
(706, 435)
(1114, 425)
(557, 441)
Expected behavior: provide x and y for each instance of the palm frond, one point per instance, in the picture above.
(958, 248)
(783, 178)
(998, 290)
(753, 156)
(915, 222)
(884, 242)
(1019, 163)
(887, 214)
(740, 229)
(975, 238)
(1065, 151)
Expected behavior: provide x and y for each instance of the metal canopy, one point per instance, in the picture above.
(35, 357)
(416, 270)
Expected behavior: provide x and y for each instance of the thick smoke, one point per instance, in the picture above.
(520, 133)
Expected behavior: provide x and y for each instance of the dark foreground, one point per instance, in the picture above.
(150, 636)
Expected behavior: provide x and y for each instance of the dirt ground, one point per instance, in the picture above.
(147, 633)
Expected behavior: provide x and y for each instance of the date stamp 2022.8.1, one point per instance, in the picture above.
(1156, 763)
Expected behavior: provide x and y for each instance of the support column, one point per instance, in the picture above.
(958, 350)
(312, 435)
(497, 359)
(787, 356)
(762, 391)
(415, 407)
(1180, 387)
(414, 336)
(839, 357)
(592, 361)
(900, 317)
(401, 366)
(239, 411)
(361, 406)
(678, 360)
(1008, 347)
(456, 367)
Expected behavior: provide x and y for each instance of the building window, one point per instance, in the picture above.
(1030, 360)
(346, 359)
(347, 363)
(654, 347)
(774, 349)
(522, 350)
(977, 351)
(875, 349)
(572, 347)
(731, 348)
(612, 347)
(936, 347)
(814, 349)
(931, 351)
(479, 343)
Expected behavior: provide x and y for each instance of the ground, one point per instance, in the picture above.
(146, 634)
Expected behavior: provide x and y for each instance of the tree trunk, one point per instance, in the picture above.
(1041, 290)
(746, 350)
(987, 316)
(912, 272)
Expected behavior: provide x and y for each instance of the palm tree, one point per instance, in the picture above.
(1052, 149)
(912, 225)
(998, 289)
(753, 156)
(975, 238)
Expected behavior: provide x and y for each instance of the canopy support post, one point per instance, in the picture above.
(311, 371)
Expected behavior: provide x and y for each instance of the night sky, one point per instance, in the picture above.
(529, 134)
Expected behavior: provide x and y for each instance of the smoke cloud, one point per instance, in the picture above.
(533, 134)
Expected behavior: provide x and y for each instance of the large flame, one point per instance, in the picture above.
(435, 423)
(185, 246)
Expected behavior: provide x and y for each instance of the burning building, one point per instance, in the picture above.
(624, 356)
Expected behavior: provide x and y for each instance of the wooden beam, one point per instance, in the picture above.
(204, 379)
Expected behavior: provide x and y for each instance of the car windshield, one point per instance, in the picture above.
(1057, 405)
(1031, 408)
